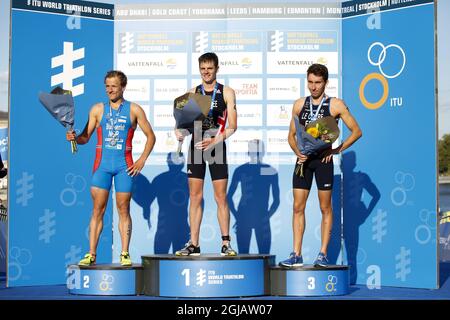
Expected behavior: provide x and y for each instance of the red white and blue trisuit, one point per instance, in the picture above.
(113, 150)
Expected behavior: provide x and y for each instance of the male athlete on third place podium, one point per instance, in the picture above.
(308, 109)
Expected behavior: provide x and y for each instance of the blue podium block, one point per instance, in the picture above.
(207, 275)
(106, 280)
(309, 281)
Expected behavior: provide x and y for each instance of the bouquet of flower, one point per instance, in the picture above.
(188, 108)
(315, 137)
(59, 103)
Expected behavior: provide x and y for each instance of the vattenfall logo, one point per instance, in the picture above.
(322, 60)
(171, 63)
(295, 62)
(382, 76)
(246, 62)
(145, 64)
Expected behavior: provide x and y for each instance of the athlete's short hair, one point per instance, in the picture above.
(209, 56)
(319, 70)
(119, 74)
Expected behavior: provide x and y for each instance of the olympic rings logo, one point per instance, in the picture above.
(107, 281)
(330, 285)
(76, 184)
(18, 258)
(381, 77)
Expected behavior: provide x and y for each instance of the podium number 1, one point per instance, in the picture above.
(187, 276)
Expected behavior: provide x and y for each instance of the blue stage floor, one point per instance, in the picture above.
(357, 292)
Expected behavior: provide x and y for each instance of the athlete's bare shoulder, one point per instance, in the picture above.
(298, 105)
(97, 106)
(337, 106)
(134, 106)
(228, 90)
(97, 109)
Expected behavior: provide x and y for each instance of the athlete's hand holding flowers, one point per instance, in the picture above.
(315, 137)
(187, 109)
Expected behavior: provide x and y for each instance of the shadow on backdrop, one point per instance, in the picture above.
(170, 190)
(355, 210)
(335, 245)
(257, 180)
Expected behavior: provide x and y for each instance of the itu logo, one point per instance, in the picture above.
(69, 73)
(127, 42)
(379, 56)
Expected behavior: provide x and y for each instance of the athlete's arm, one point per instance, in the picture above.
(138, 113)
(339, 109)
(230, 100)
(296, 108)
(93, 122)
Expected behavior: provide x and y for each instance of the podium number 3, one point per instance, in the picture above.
(311, 283)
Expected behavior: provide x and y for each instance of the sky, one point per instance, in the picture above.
(443, 25)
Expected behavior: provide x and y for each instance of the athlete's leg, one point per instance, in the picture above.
(123, 183)
(99, 199)
(298, 218)
(327, 218)
(223, 211)
(125, 225)
(301, 187)
(324, 178)
(195, 208)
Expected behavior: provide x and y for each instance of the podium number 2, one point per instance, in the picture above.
(311, 283)
(187, 276)
(86, 282)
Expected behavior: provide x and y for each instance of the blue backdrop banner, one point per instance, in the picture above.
(390, 181)
(387, 63)
(49, 187)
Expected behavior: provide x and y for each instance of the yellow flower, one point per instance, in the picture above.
(313, 131)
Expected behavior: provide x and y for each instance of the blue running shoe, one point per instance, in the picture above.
(292, 261)
(321, 261)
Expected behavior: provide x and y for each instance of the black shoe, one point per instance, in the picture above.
(188, 250)
(227, 250)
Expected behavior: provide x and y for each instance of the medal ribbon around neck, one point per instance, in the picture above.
(213, 97)
(311, 116)
(113, 121)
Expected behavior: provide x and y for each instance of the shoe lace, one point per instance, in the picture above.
(229, 248)
(188, 245)
(321, 257)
